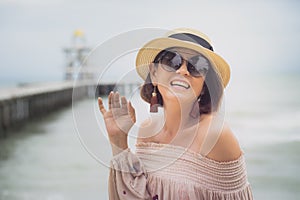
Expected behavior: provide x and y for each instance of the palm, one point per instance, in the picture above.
(120, 116)
(117, 120)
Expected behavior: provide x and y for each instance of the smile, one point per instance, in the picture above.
(180, 84)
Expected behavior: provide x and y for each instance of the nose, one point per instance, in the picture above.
(183, 70)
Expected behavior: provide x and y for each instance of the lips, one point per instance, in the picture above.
(180, 84)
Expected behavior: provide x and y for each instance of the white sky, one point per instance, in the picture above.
(250, 35)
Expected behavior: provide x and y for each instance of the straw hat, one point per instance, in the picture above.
(183, 37)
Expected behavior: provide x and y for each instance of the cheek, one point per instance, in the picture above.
(163, 77)
(197, 88)
(164, 90)
(168, 95)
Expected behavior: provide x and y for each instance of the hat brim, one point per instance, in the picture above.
(149, 51)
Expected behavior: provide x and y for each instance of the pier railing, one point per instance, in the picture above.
(22, 103)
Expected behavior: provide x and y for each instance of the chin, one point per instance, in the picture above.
(182, 97)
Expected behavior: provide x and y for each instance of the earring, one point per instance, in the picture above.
(154, 102)
(195, 112)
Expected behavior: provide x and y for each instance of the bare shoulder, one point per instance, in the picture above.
(227, 147)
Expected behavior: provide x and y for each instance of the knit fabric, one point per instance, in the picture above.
(163, 171)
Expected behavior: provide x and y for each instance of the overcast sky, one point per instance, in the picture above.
(249, 35)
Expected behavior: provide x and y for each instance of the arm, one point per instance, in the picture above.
(119, 119)
(127, 178)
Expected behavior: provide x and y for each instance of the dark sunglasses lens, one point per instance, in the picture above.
(198, 66)
(171, 61)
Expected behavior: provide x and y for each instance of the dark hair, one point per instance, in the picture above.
(211, 94)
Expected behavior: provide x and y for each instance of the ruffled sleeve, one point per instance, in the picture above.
(127, 178)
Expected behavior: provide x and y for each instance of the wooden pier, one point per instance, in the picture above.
(26, 102)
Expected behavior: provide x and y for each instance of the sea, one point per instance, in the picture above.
(65, 155)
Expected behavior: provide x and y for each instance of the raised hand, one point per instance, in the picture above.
(119, 118)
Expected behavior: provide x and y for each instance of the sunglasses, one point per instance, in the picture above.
(171, 61)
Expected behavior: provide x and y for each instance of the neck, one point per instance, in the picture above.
(177, 117)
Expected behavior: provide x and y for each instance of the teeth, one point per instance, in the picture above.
(180, 83)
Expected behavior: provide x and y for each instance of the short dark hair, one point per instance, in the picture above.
(211, 94)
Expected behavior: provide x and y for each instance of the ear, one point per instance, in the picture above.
(153, 73)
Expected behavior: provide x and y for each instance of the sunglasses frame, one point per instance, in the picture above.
(195, 73)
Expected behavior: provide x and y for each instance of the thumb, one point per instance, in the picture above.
(101, 106)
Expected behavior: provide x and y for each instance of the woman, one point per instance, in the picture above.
(189, 153)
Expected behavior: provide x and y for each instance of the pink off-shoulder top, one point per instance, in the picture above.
(164, 171)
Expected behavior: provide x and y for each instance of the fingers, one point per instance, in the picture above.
(113, 100)
(101, 106)
(116, 100)
(128, 108)
(131, 111)
(124, 103)
(110, 96)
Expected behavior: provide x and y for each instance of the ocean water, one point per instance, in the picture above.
(46, 161)
(66, 155)
(267, 123)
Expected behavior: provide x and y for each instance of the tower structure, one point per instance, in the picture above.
(75, 54)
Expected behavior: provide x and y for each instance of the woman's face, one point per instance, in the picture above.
(178, 85)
